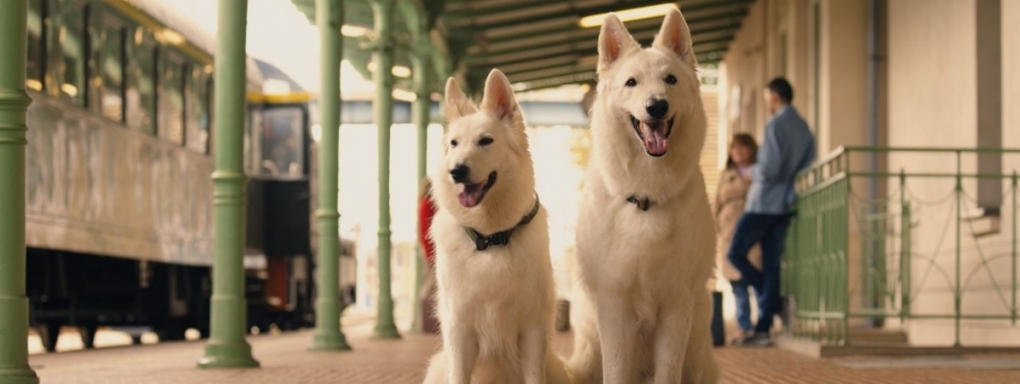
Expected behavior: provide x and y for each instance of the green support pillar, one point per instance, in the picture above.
(385, 327)
(422, 103)
(14, 102)
(329, 18)
(227, 347)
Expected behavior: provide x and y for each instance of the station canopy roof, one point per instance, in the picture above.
(537, 43)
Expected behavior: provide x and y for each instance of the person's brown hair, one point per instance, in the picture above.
(745, 140)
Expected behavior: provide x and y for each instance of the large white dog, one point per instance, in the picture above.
(645, 235)
(496, 292)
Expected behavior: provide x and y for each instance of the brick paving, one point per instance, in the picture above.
(285, 359)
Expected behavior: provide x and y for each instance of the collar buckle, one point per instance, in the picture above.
(642, 203)
(501, 238)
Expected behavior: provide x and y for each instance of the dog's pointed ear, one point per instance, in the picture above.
(457, 103)
(614, 41)
(675, 36)
(498, 98)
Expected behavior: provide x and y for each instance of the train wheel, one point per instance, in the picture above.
(171, 332)
(286, 323)
(308, 318)
(49, 333)
(88, 335)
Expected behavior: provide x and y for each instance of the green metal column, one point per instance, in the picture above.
(227, 347)
(422, 103)
(383, 56)
(329, 17)
(14, 102)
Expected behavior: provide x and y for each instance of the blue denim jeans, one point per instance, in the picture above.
(770, 231)
(743, 299)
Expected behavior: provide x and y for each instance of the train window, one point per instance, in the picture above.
(36, 37)
(283, 142)
(71, 35)
(93, 55)
(112, 71)
(171, 99)
(51, 56)
(197, 110)
(141, 89)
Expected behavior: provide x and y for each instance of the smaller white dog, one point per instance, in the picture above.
(496, 292)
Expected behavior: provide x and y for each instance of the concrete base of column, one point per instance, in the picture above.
(329, 341)
(384, 327)
(383, 331)
(14, 367)
(18, 375)
(228, 354)
(328, 336)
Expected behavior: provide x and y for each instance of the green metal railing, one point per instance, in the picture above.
(853, 259)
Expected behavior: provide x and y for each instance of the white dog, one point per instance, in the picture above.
(645, 235)
(496, 292)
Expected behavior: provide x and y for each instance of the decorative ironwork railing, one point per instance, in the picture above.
(927, 248)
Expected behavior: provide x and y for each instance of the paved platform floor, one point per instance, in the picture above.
(285, 359)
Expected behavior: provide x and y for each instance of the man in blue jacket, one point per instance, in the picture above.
(788, 147)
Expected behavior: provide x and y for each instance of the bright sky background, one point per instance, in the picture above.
(278, 34)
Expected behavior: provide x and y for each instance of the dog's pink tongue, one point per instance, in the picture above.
(469, 196)
(466, 199)
(655, 141)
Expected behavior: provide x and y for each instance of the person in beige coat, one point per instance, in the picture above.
(728, 206)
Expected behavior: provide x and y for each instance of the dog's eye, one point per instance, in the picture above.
(453, 143)
(631, 82)
(670, 79)
(485, 141)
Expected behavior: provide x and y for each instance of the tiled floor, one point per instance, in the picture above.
(285, 359)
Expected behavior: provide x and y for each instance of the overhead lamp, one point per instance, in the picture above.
(169, 37)
(69, 89)
(353, 30)
(401, 71)
(403, 95)
(33, 84)
(632, 14)
(398, 70)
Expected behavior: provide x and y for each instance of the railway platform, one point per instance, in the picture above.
(285, 358)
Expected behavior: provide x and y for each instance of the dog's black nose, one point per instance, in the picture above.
(657, 108)
(460, 173)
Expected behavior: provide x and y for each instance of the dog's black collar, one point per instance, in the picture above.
(482, 242)
(642, 203)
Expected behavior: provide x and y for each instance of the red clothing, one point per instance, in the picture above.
(425, 212)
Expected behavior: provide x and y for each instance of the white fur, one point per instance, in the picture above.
(495, 306)
(644, 312)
